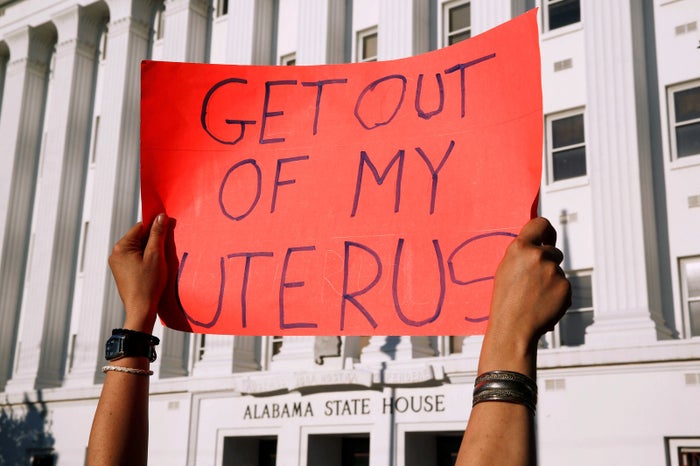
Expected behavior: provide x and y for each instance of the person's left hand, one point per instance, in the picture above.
(140, 271)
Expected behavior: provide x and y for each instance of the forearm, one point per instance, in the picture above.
(119, 434)
(501, 432)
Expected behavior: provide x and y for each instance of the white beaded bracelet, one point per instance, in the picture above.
(127, 370)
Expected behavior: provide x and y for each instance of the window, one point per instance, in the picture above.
(566, 146)
(338, 449)
(260, 451)
(456, 20)
(103, 44)
(684, 112)
(367, 45)
(682, 451)
(268, 348)
(560, 13)
(221, 7)
(159, 23)
(689, 456)
(690, 280)
(288, 60)
(432, 448)
(571, 329)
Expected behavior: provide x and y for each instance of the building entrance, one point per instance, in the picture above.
(338, 450)
(432, 448)
(250, 451)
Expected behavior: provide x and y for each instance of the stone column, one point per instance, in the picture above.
(21, 134)
(403, 31)
(226, 354)
(58, 206)
(404, 28)
(186, 30)
(186, 25)
(383, 349)
(296, 353)
(321, 33)
(487, 14)
(250, 32)
(626, 283)
(113, 206)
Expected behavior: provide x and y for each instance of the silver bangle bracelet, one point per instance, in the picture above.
(126, 370)
(505, 386)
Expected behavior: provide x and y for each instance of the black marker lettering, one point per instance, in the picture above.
(461, 67)
(419, 92)
(434, 171)
(319, 85)
(205, 106)
(352, 296)
(267, 114)
(364, 159)
(284, 285)
(371, 88)
(223, 185)
(283, 182)
(395, 281)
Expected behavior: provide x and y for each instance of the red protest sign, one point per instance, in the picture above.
(372, 198)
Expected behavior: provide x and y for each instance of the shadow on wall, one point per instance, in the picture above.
(26, 438)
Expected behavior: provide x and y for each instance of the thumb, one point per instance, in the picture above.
(156, 237)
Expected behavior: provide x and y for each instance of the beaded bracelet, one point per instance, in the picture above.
(126, 370)
(506, 386)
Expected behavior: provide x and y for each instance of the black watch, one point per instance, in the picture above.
(127, 343)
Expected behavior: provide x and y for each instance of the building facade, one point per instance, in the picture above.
(619, 377)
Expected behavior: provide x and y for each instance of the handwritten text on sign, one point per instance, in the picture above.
(372, 198)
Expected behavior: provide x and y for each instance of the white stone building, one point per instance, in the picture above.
(619, 378)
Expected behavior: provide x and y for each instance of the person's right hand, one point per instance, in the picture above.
(140, 271)
(530, 295)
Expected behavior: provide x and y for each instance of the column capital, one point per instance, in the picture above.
(78, 25)
(31, 46)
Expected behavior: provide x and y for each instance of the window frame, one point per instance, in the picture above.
(546, 4)
(673, 124)
(359, 45)
(445, 30)
(553, 339)
(551, 151)
(289, 59)
(159, 23)
(221, 8)
(685, 298)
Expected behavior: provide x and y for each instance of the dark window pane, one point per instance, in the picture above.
(355, 451)
(267, 452)
(459, 17)
(581, 291)
(447, 448)
(453, 39)
(564, 13)
(572, 327)
(687, 104)
(567, 131)
(688, 140)
(694, 315)
(569, 163)
(369, 46)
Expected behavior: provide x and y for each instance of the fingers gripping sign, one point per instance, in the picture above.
(530, 288)
(139, 268)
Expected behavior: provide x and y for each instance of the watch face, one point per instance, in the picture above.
(114, 348)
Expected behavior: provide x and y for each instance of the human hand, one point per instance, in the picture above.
(530, 295)
(140, 271)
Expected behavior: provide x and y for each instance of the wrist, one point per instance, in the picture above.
(506, 352)
(142, 324)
